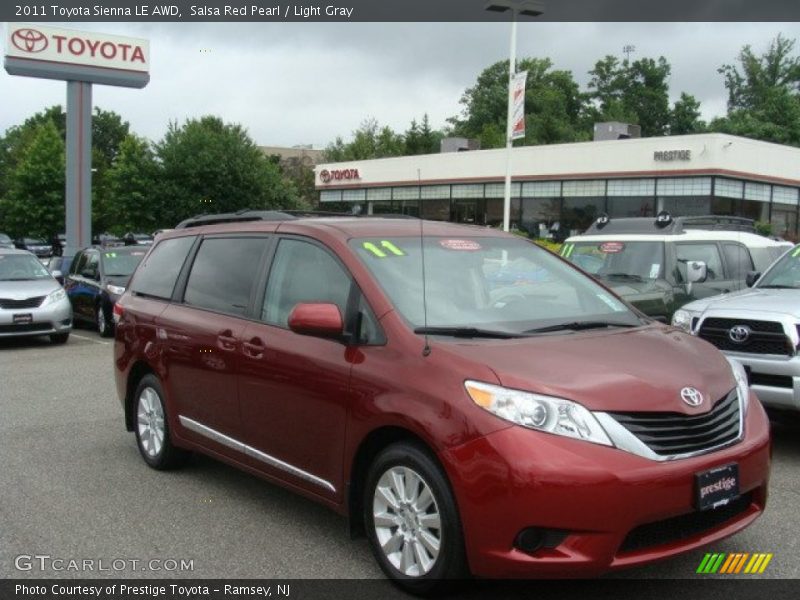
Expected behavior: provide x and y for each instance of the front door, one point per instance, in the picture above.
(294, 389)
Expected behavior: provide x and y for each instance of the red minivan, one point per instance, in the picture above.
(473, 403)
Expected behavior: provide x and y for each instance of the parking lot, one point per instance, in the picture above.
(72, 486)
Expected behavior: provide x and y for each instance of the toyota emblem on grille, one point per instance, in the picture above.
(691, 396)
(739, 333)
(29, 40)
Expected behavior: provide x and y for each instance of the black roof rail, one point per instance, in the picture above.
(665, 224)
(247, 215)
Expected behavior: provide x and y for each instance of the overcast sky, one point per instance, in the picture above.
(291, 83)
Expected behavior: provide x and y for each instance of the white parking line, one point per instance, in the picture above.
(83, 337)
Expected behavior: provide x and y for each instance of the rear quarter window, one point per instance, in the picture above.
(157, 274)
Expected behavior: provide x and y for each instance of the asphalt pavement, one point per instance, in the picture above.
(73, 487)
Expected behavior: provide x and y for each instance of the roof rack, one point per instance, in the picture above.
(665, 224)
(246, 215)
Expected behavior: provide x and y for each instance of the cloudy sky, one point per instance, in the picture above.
(298, 83)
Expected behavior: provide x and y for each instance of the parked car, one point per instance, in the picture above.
(32, 302)
(658, 265)
(759, 327)
(55, 264)
(465, 422)
(96, 279)
(141, 239)
(37, 246)
(5, 241)
(106, 240)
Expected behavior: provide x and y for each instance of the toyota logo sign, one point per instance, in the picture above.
(739, 333)
(691, 396)
(325, 175)
(29, 40)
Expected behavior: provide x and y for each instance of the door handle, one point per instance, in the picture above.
(254, 348)
(226, 341)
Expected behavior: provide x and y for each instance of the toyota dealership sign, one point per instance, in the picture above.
(52, 52)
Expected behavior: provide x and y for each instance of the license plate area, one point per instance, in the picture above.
(716, 487)
(22, 319)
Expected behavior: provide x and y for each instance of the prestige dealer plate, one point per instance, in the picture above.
(716, 487)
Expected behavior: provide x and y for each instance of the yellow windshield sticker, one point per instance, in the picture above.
(370, 247)
(796, 252)
(392, 248)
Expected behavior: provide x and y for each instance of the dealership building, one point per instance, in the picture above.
(571, 184)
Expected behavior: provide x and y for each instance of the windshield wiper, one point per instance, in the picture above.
(469, 332)
(578, 325)
(777, 286)
(622, 276)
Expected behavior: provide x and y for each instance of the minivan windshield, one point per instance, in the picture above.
(617, 261)
(480, 286)
(783, 274)
(121, 263)
(21, 267)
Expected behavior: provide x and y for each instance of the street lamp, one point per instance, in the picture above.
(528, 8)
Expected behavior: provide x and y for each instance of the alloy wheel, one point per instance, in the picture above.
(150, 422)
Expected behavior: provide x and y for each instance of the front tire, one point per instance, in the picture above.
(152, 427)
(412, 521)
(104, 328)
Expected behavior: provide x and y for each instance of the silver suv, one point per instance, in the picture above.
(759, 327)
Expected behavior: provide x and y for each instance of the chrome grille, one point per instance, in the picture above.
(670, 434)
(10, 304)
(766, 337)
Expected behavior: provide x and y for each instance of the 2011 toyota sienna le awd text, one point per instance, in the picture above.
(470, 401)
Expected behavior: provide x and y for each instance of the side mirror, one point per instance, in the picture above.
(318, 319)
(696, 271)
(751, 278)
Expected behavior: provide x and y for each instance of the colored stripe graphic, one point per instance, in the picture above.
(732, 564)
(728, 563)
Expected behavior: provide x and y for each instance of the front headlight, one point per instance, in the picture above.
(742, 387)
(542, 413)
(115, 289)
(683, 318)
(54, 297)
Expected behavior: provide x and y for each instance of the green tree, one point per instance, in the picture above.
(370, 140)
(554, 106)
(763, 94)
(209, 166)
(685, 116)
(132, 182)
(34, 201)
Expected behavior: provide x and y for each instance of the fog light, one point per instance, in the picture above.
(66, 322)
(532, 539)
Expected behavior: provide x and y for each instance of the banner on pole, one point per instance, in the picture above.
(518, 100)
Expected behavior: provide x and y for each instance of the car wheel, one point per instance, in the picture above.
(59, 338)
(412, 521)
(152, 428)
(102, 324)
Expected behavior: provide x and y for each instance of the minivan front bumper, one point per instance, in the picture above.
(49, 319)
(608, 508)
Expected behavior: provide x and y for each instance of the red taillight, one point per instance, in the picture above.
(118, 312)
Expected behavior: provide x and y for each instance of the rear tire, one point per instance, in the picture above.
(59, 338)
(412, 521)
(152, 427)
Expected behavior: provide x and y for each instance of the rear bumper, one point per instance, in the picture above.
(515, 478)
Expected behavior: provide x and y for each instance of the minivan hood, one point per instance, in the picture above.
(642, 369)
(779, 301)
(20, 290)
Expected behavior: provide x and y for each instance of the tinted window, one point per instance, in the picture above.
(738, 259)
(303, 272)
(77, 263)
(91, 265)
(223, 274)
(708, 253)
(157, 275)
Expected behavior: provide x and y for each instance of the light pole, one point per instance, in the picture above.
(528, 8)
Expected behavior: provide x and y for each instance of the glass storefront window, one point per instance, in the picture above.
(578, 213)
(539, 214)
(494, 212)
(784, 221)
(631, 207)
(686, 206)
(436, 210)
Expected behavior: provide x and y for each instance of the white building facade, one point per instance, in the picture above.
(571, 184)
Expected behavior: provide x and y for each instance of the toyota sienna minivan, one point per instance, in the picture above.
(471, 402)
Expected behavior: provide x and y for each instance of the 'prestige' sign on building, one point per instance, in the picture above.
(40, 51)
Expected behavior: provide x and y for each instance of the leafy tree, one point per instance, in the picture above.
(420, 138)
(554, 106)
(763, 94)
(370, 140)
(210, 166)
(634, 92)
(132, 183)
(34, 201)
(685, 116)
